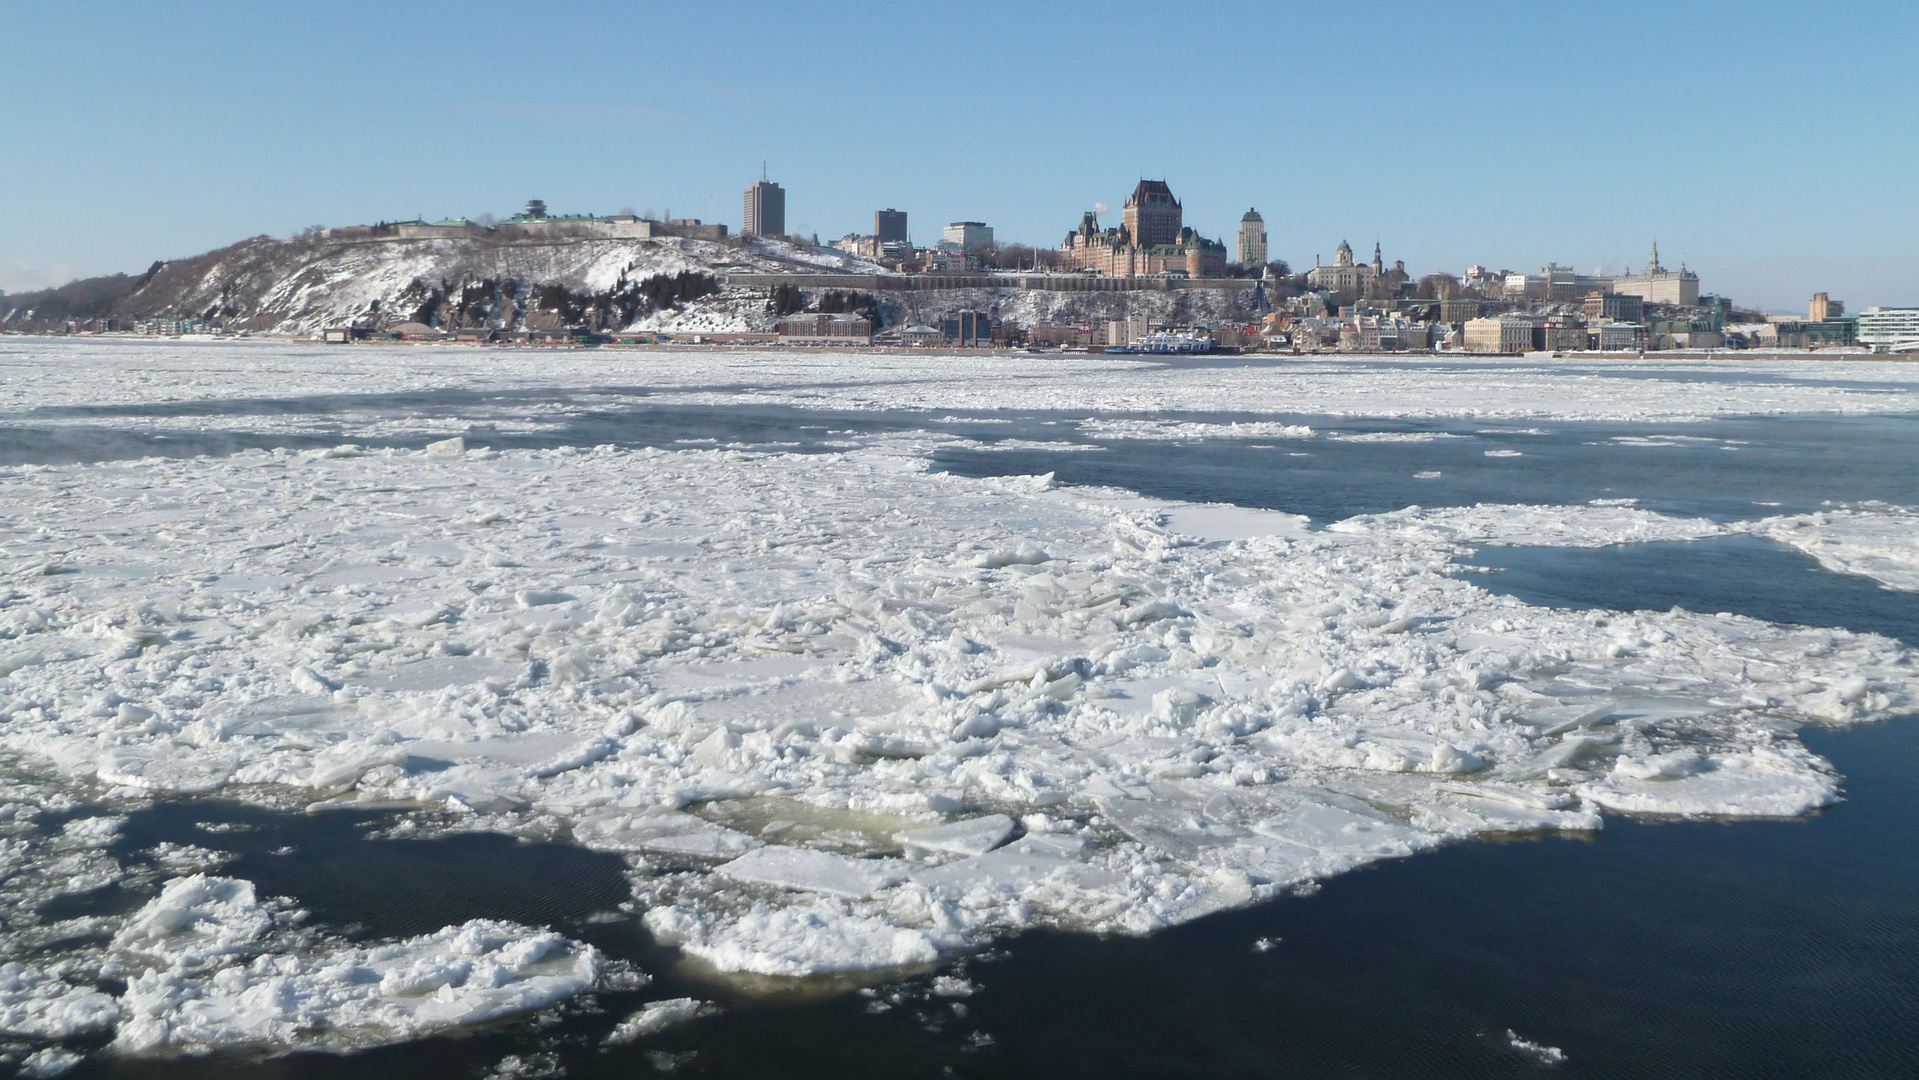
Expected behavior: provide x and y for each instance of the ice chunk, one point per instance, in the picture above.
(37, 1004)
(813, 937)
(815, 871)
(446, 447)
(461, 975)
(1762, 782)
(1007, 873)
(663, 829)
(532, 598)
(656, 1017)
(1026, 554)
(181, 769)
(48, 1061)
(974, 836)
(196, 921)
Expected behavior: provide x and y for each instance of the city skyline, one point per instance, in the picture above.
(164, 134)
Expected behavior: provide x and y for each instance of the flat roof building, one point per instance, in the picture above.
(889, 226)
(765, 209)
(968, 236)
(1891, 326)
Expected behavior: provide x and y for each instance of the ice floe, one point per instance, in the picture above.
(203, 970)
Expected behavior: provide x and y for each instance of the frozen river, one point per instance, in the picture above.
(837, 714)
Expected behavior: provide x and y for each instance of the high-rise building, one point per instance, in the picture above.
(1252, 239)
(765, 209)
(889, 226)
(1824, 307)
(968, 236)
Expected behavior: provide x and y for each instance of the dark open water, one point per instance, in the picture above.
(1656, 949)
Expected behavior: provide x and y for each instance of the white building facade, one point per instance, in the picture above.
(1889, 327)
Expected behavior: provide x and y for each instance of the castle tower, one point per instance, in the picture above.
(1152, 215)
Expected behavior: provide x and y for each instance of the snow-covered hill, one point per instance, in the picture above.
(304, 284)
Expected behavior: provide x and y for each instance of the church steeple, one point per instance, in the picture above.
(1654, 267)
(1379, 264)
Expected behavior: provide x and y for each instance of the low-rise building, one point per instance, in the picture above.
(1614, 307)
(1560, 335)
(1781, 334)
(1123, 332)
(1500, 334)
(1458, 310)
(1622, 337)
(824, 329)
(1834, 330)
(1890, 327)
(1359, 334)
(969, 329)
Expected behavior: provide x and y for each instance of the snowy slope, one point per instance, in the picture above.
(300, 285)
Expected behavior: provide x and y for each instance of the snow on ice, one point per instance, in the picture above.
(864, 713)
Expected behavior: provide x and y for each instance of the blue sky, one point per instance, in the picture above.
(1772, 146)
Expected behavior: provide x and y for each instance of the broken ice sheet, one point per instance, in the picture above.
(870, 714)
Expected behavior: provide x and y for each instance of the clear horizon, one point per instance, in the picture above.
(1766, 147)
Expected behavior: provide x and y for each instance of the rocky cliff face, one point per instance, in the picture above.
(307, 283)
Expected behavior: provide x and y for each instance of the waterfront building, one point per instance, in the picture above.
(1562, 335)
(765, 209)
(1824, 307)
(1623, 337)
(1123, 332)
(1252, 240)
(1359, 334)
(1833, 330)
(1501, 334)
(889, 226)
(1658, 285)
(969, 329)
(824, 329)
(1889, 326)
